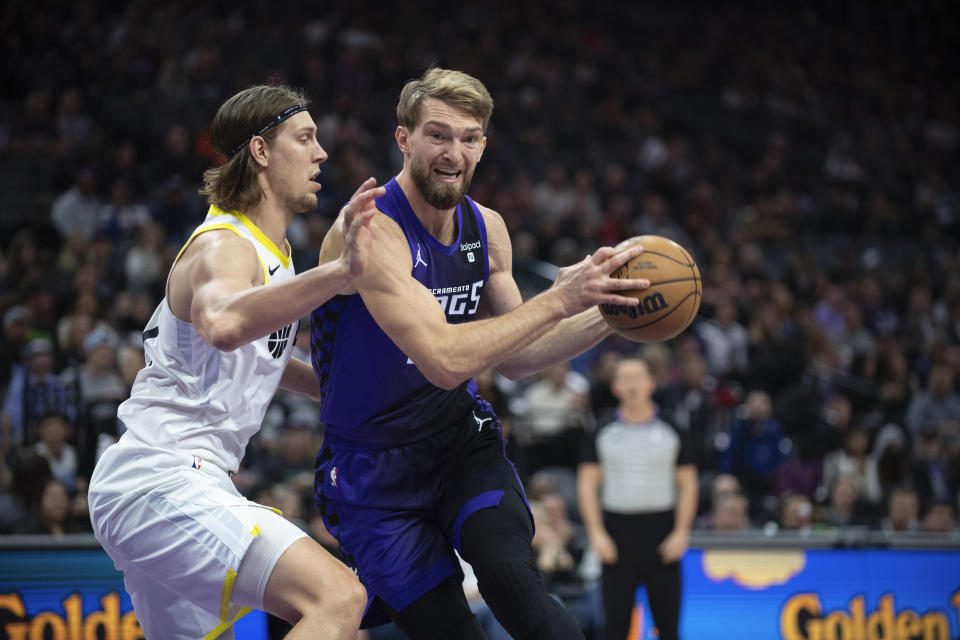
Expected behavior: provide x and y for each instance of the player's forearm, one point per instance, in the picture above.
(462, 351)
(300, 378)
(569, 338)
(253, 313)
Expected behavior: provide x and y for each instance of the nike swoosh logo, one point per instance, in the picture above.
(274, 270)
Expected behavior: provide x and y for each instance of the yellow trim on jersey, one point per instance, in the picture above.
(223, 626)
(230, 227)
(255, 531)
(227, 592)
(212, 227)
(259, 235)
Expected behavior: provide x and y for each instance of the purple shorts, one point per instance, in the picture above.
(397, 512)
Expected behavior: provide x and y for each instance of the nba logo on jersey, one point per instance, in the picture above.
(196, 462)
(333, 476)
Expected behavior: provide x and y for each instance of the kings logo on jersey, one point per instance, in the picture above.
(277, 341)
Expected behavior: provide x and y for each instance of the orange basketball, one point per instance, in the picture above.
(669, 305)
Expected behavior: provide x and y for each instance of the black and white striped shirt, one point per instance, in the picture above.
(638, 461)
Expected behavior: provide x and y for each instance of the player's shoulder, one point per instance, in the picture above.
(497, 233)
(216, 242)
(387, 233)
(490, 216)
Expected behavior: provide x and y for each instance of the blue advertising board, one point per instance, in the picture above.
(817, 594)
(75, 594)
(756, 594)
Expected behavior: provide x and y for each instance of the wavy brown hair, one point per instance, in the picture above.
(233, 186)
(455, 88)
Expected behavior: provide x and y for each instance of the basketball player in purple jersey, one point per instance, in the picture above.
(413, 462)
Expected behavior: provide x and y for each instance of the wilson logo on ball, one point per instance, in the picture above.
(670, 303)
(649, 304)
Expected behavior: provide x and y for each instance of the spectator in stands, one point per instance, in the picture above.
(891, 456)
(903, 511)
(725, 341)
(854, 340)
(53, 432)
(854, 459)
(555, 410)
(777, 354)
(755, 449)
(76, 212)
(29, 472)
(147, 261)
(602, 400)
(722, 485)
(828, 312)
(97, 389)
(731, 513)
(16, 328)
(939, 518)
(696, 404)
(796, 512)
(841, 510)
(33, 391)
(897, 383)
(122, 216)
(937, 406)
(53, 513)
(933, 473)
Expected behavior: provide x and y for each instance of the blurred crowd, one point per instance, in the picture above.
(806, 155)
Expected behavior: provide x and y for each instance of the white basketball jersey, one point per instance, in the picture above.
(194, 398)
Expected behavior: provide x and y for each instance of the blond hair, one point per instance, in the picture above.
(233, 186)
(454, 88)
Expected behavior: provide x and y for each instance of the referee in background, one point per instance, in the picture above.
(639, 524)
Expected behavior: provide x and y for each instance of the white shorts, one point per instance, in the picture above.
(195, 554)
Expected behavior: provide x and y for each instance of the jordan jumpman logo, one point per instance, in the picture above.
(480, 422)
(419, 259)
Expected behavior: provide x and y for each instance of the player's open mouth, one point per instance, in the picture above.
(448, 175)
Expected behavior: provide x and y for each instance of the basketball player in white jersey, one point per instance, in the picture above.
(195, 554)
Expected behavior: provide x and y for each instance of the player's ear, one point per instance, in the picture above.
(402, 135)
(259, 151)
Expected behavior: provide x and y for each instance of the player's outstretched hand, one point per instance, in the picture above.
(356, 216)
(588, 282)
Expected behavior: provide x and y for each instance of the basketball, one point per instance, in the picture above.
(669, 305)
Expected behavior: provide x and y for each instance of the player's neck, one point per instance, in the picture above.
(441, 223)
(271, 220)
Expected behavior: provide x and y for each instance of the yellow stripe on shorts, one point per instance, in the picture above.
(227, 592)
(223, 626)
